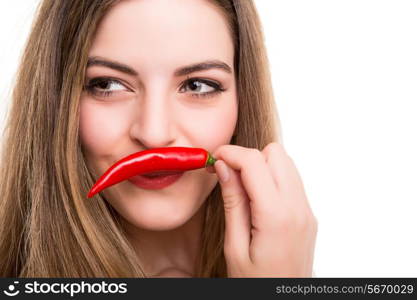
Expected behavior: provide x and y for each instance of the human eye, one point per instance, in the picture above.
(104, 86)
(201, 88)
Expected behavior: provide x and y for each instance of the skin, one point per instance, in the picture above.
(157, 108)
(270, 228)
(147, 110)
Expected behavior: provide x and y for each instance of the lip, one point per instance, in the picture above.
(160, 181)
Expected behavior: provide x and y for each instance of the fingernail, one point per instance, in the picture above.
(223, 172)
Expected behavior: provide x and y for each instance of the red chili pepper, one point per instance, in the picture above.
(153, 160)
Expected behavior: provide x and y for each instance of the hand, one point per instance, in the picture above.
(270, 228)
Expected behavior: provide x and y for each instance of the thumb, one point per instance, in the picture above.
(236, 209)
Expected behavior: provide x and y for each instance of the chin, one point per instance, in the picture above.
(158, 216)
(161, 223)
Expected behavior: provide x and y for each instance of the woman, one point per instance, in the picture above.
(100, 80)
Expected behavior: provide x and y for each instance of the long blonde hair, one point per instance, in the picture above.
(47, 228)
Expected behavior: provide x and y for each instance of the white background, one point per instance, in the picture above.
(345, 82)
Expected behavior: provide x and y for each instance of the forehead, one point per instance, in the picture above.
(166, 33)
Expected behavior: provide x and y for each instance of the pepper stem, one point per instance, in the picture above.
(210, 160)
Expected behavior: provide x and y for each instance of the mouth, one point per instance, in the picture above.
(156, 180)
(160, 173)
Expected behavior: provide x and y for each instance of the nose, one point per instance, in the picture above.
(153, 126)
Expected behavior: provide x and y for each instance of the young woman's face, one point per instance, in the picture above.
(155, 100)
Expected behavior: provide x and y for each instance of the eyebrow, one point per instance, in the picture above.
(205, 65)
(98, 61)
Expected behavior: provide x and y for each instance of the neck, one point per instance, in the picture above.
(170, 253)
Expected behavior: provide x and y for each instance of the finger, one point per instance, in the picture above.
(275, 157)
(255, 175)
(237, 211)
(210, 169)
(284, 172)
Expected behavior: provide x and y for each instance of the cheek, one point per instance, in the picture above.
(100, 127)
(212, 127)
